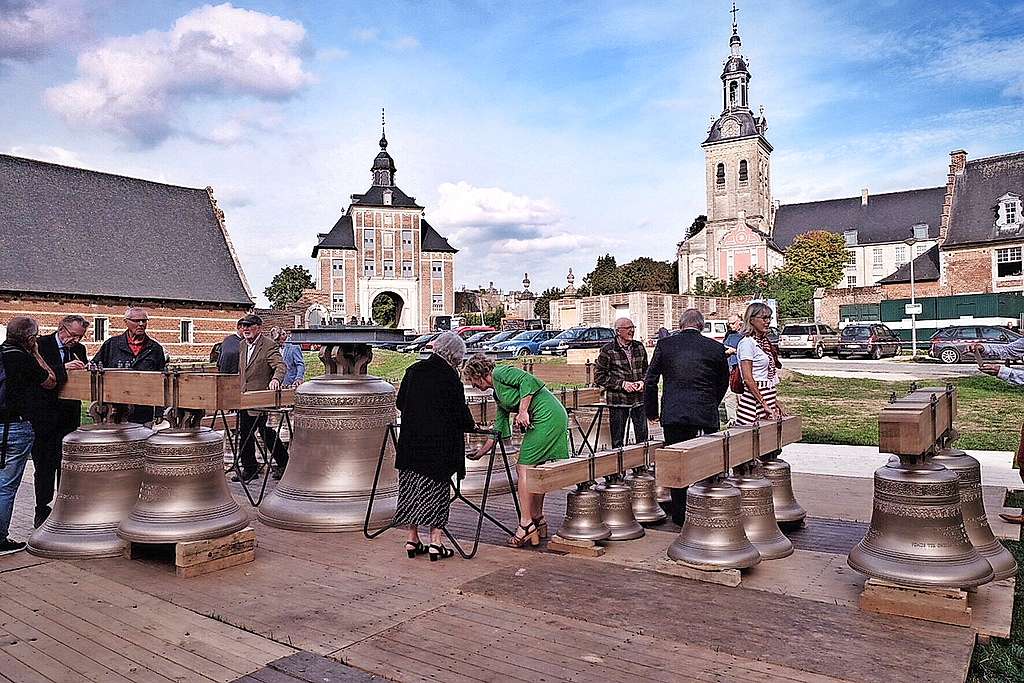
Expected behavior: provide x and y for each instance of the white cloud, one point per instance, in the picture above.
(462, 204)
(137, 85)
(57, 155)
(30, 28)
(998, 61)
(373, 35)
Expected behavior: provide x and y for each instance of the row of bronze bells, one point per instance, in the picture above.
(616, 510)
(122, 481)
(928, 525)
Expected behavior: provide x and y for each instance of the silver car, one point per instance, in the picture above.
(813, 339)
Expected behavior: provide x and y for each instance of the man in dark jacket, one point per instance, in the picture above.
(621, 367)
(227, 351)
(53, 418)
(261, 368)
(136, 350)
(696, 378)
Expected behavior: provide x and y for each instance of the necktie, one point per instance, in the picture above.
(67, 354)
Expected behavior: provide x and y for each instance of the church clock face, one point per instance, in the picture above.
(730, 129)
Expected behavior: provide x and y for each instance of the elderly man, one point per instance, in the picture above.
(294, 363)
(696, 378)
(260, 368)
(133, 349)
(730, 342)
(24, 369)
(1012, 351)
(621, 366)
(53, 418)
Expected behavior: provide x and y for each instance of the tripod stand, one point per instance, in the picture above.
(456, 492)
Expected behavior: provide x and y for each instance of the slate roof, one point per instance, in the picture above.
(926, 269)
(342, 236)
(432, 240)
(748, 127)
(972, 216)
(70, 231)
(375, 197)
(887, 217)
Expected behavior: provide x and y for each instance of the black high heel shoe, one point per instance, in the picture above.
(414, 549)
(439, 552)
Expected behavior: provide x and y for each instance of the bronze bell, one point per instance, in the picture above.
(917, 535)
(758, 512)
(645, 506)
(472, 485)
(583, 516)
(972, 508)
(339, 423)
(777, 471)
(100, 473)
(712, 537)
(617, 511)
(183, 496)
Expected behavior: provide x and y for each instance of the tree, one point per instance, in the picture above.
(604, 278)
(710, 286)
(287, 286)
(384, 310)
(751, 282)
(793, 294)
(541, 308)
(698, 224)
(493, 318)
(646, 275)
(817, 257)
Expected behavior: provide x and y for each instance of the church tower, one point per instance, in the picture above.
(737, 177)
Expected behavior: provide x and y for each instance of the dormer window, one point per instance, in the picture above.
(1008, 214)
(850, 236)
(387, 197)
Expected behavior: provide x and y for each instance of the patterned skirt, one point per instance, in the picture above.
(749, 410)
(422, 501)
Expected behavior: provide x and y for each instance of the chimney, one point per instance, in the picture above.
(957, 163)
(864, 197)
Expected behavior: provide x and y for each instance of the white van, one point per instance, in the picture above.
(716, 329)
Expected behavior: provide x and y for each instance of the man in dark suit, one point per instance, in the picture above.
(260, 368)
(227, 351)
(53, 418)
(696, 377)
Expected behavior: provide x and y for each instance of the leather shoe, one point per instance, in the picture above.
(40, 517)
(1012, 519)
(247, 476)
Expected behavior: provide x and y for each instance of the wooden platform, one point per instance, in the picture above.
(507, 615)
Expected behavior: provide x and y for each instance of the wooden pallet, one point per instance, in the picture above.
(568, 546)
(944, 605)
(722, 577)
(195, 558)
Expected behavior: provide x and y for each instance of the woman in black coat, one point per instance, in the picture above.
(431, 443)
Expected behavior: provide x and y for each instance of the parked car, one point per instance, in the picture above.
(950, 344)
(813, 339)
(716, 329)
(476, 340)
(498, 338)
(526, 343)
(872, 340)
(419, 342)
(467, 331)
(577, 338)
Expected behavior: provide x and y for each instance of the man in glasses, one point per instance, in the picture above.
(260, 367)
(53, 418)
(620, 369)
(133, 349)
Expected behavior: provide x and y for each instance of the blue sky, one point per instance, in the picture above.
(538, 135)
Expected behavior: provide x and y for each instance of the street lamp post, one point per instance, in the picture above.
(913, 302)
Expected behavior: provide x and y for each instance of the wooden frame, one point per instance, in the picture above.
(907, 426)
(194, 390)
(558, 474)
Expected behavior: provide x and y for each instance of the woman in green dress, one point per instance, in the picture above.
(545, 423)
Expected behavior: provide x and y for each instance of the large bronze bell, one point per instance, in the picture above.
(972, 509)
(583, 516)
(645, 505)
(617, 512)
(183, 496)
(339, 424)
(758, 512)
(917, 535)
(481, 405)
(101, 470)
(777, 471)
(712, 537)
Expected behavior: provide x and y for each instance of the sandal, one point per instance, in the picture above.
(414, 549)
(542, 526)
(439, 552)
(530, 536)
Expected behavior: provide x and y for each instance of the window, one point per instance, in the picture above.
(876, 257)
(851, 258)
(920, 248)
(1008, 262)
(387, 199)
(389, 268)
(436, 270)
(994, 334)
(407, 238)
(185, 332)
(389, 239)
(99, 329)
(369, 238)
(338, 266)
(901, 255)
(338, 302)
(732, 93)
(851, 280)
(967, 333)
(437, 302)
(406, 268)
(1010, 213)
(743, 171)
(389, 219)
(369, 268)
(720, 175)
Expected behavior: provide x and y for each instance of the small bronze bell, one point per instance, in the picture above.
(787, 510)
(645, 506)
(583, 516)
(101, 470)
(712, 537)
(759, 513)
(184, 496)
(917, 535)
(972, 508)
(617, 512)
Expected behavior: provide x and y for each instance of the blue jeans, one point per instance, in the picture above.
(19, 444)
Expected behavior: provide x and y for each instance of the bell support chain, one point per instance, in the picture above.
(499, 442)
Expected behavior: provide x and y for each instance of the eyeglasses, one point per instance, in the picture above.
(631, 327)
(138, 321)
(763, 317)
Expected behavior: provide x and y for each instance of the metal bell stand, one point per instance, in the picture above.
(456, 494)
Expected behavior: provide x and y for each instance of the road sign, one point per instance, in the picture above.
(912, 309)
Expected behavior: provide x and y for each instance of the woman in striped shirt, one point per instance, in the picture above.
(759, 366)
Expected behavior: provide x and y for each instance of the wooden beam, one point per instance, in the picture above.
(685, 463)
(558, 474)
(209, 391)
(908, 426)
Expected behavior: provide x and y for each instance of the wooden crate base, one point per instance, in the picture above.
(943, 605)
(570, 547)
(722, 577)
(195, 558)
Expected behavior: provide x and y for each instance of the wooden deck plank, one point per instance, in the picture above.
(19, 671)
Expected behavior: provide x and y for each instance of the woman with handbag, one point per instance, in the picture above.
(758, 368)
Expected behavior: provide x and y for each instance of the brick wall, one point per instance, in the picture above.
(969, 271)
(209, 325)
